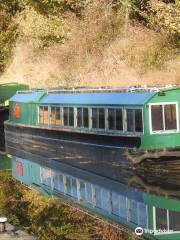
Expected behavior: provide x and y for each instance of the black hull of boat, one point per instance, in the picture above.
(4, 115)
(91, 152)
(96, 157)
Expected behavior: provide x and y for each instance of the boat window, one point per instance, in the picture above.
(98, 118)
(157, 117)
(130, 120)
(94, 118)
(68, 116)
(134, 120)
(79, 117)
(119, 119)
(170, 116)
(115, 119)
(111, 118)
(43, 115)
(71, 116)
(82, 117)
(174, 223)
(55, 116)
(101, 118)
(85, 117)
(138, 120)
(65, 115)
(163, 117)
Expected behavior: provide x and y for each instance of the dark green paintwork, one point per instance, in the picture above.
(9, 89)
(156, 141)
(28, 113)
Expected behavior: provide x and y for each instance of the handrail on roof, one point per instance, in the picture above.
(102, 89)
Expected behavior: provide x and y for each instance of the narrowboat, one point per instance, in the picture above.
(139, 124)
(7, 90)
(111, 200)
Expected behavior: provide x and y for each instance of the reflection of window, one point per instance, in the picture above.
(115, 203)
(68, 185)
(43, 115)
(137, 213)
(55, 116)
(134, 122)
(163, 117)
(58, 183)
(46, 177)
(161, 219)
(115, 119)
(167, 219)
(98, 118)
(133, 212)
(143, 218)
(82, 191)
(98, 196)
(68, 116)
(174, 221)
(74, 187)
(89, 192)
(105, 195)
(82, 117)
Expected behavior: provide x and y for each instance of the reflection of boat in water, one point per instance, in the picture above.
(140, 125)
(100, 195)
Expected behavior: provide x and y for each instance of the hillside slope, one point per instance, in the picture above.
(100, 43)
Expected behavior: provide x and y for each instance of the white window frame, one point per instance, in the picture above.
(76, 116)
(163, 131)
(50, 115)
(107, 121)
(91, 117)
(42, 124)
(125, 121)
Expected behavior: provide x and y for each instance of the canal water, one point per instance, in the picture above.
(145, 203)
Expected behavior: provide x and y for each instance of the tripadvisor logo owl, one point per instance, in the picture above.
(139, 231)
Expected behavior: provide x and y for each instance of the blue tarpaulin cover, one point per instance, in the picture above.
(97, 98)
(27, 97)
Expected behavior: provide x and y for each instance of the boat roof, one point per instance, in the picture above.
(128, 98)
(29, 96)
